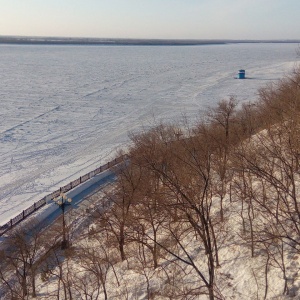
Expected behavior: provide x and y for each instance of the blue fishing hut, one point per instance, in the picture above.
(241, 74)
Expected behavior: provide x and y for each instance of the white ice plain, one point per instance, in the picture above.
(65, 110)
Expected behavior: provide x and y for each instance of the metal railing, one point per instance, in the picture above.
(37, 205)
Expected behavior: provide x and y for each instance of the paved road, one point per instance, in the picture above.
(80, 201)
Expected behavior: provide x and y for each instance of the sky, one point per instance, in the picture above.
(161, 19)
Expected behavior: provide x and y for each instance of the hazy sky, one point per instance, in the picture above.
(182, 19)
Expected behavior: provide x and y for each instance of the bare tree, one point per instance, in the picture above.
(221, 129)
(94, 259)
(118, 217)
(185, 168)
(22, 249)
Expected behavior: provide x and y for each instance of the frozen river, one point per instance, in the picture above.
(66, 109)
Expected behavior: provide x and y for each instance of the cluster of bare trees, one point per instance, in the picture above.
(167, 214)
(21, 257)
(32, 259)
(267, 180)
(183, 186)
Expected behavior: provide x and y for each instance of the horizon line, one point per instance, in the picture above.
(15, 39)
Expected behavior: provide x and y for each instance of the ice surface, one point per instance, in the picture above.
(66, 109)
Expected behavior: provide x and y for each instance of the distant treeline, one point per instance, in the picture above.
(124, 42)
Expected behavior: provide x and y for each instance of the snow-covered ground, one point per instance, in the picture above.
(65, 110)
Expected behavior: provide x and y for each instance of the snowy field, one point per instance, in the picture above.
(65, 110)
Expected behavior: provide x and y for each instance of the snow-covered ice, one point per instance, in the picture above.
(66, 109)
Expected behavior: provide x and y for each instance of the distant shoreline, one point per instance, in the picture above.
(17, 40)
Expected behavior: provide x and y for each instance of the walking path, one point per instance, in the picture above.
(51, 211)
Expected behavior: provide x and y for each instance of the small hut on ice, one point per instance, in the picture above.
(241, 74)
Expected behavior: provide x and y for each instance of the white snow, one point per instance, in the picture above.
(66, 109)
